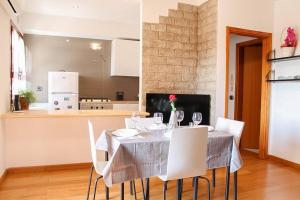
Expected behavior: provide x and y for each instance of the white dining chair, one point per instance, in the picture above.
(187, 158)
(141, 122)
(235, 128)
(97, 165)
(231, 126)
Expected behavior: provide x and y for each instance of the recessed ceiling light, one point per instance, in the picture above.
(95, 46)
(67, 40)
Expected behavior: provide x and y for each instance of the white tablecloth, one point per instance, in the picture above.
(146, 155)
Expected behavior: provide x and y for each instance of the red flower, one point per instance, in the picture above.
(290, 39)
(172, 97)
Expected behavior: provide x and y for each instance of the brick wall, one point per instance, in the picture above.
(207, 52)
(178, 56)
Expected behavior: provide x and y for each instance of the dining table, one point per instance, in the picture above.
(146, 155)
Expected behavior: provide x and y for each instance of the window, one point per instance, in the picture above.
(18, 73)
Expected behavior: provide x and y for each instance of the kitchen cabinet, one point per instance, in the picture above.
(125, 58)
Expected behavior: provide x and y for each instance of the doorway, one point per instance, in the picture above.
(250, 96)
(248, 91)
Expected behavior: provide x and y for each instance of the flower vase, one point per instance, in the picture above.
(173, 120)
(287, 51)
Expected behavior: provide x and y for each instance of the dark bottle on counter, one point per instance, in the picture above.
(17, 103)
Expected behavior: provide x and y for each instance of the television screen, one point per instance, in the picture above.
(189, 103)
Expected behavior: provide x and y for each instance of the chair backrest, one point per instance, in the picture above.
(92, 143)
(231, 126)
(187, 153)
(142, 122)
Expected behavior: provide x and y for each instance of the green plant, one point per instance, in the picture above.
(29, 95)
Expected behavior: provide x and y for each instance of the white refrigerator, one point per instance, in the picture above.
(63, 90)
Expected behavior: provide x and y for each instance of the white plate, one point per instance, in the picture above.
(125, 132)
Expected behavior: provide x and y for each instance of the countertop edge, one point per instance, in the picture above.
(66, 114)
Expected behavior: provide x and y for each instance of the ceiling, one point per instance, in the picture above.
(125, 11)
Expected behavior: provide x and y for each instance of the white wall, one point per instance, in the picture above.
(249, 14)
(4, 76)
(152, 9)
(77, 27)
(234, 39)
(284, 136)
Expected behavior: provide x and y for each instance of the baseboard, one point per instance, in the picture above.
(285, 162)
(46, 168)
(2, 178)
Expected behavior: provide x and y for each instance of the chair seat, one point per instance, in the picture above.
(100, 167)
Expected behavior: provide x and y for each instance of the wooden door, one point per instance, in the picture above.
(249, 95)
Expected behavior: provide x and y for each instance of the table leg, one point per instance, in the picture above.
(227, 183)
(106, 188)
(195, 188)
(179, 189)
(214, 177)
(235, 185)
(122, 191)
(147, 188)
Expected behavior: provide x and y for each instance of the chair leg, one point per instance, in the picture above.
(95, 189)
(179, 189)
(106, 188)
(122, 191)
(235, 185)
(208, 186)
(90, 182)
(143, 189)
(134, 189)
(165, 190)
(195, 184)
(106, 193)
(227, 183)
(214, 178)
(131, 188)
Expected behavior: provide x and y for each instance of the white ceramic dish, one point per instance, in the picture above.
(125, 132)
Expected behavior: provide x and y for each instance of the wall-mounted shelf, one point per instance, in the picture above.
(282, 80)
(284, 59)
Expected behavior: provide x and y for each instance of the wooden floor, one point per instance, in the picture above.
(258, 179)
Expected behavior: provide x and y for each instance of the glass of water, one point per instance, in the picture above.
(197, 118)
(158, 118)
(180, 116)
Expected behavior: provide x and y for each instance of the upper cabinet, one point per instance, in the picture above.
(125, 58)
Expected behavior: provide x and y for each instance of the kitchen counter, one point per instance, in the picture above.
(69, 113)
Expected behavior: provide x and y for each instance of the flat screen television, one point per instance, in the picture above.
(189, 103)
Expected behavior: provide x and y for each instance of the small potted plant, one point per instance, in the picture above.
(289, 42)
(26, 97)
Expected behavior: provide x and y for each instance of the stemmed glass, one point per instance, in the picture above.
(180, 116)
(158, 118)
(197, 118)
(135, 118)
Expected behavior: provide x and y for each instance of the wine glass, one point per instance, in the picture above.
(180, 116)
(197, 118)
(158, 118)
(135, 118)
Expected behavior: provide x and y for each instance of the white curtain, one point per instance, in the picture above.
(18, 63)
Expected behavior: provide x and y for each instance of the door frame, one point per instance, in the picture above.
(266, 39)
